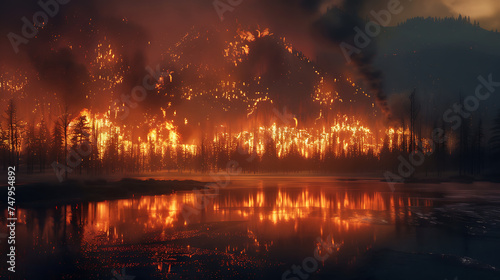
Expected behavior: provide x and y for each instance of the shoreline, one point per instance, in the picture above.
(35, 195)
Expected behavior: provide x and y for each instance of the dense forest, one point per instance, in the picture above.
(39, 146)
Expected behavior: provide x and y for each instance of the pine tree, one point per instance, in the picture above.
(385, 153)
(43, 144)
(270, 156)
(57, 145)
(4, 147)
(13, 133)
(80, 139)
(29, 148)
(65, 119)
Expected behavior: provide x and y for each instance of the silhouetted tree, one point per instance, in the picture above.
(494, 142)
(30, 148)
(80, 139)
(270, 157)
(57, 143)
(65, 120)
(478, 149)
(4, 146)
(43, 146)
(385, 153)
(414, 112)
(14, 133)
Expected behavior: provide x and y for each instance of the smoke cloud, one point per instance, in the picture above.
(141, 33)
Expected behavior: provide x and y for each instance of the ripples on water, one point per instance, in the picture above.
(258, 232)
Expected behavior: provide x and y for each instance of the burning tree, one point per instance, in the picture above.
(13, 129)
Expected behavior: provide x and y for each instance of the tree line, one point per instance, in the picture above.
(35, 146)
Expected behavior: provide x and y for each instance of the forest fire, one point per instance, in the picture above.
(198, 113)
(345, 137)
(234, 139)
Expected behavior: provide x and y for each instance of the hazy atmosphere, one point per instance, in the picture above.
(248, 139)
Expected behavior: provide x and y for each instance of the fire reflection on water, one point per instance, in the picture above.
(237, 227)
(121, 220)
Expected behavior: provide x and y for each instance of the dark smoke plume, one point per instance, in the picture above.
(337, 25)
(68, 40)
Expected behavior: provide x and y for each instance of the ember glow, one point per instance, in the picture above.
(238, 139)
(344, 136)
(197, 116)
(274, 208)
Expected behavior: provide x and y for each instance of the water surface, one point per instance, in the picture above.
(261, 228)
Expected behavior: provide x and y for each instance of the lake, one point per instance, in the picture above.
(270, 228)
